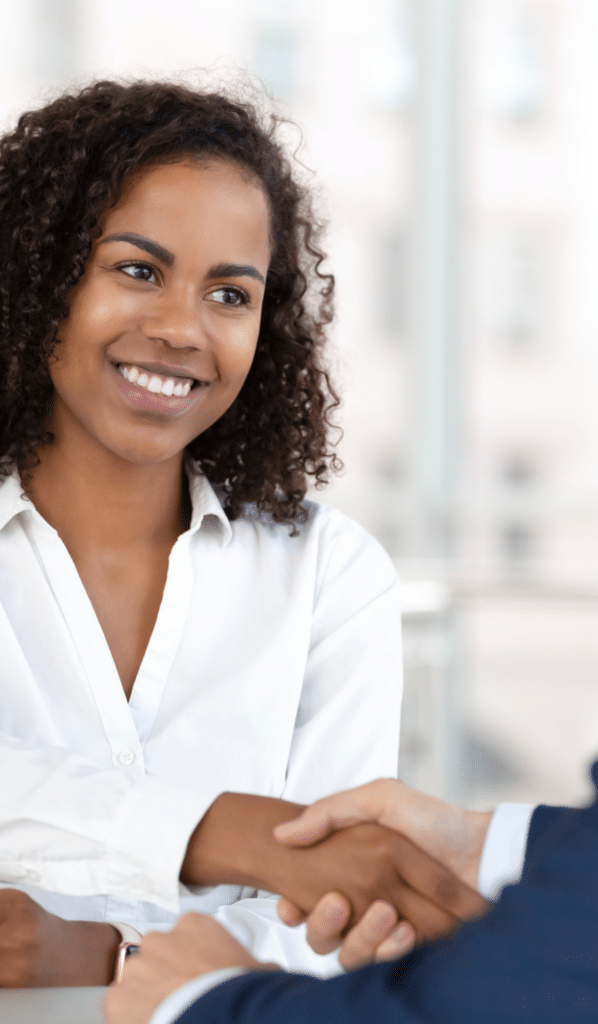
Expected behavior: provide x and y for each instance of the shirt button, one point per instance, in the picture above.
(33, 876)
(126, 757)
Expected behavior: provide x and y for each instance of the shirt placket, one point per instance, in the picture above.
(96, 659)
(159, 658)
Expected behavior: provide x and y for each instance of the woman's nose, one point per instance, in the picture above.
(176, 321)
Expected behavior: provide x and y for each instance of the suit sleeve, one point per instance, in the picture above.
(544, 819)
(532, 959)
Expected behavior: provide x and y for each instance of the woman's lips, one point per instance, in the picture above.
(145, 399)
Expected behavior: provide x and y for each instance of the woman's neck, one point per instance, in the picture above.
(109, 504)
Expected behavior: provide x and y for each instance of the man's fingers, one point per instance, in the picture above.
(327, 922)
(310, 827)
(288, 913)
(318, 821)
(363, 940)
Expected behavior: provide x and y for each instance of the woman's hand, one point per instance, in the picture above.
(197, 945)
(41, 950)
(379, 935)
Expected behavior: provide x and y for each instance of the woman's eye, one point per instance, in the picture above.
(230, 296)
(139, 271)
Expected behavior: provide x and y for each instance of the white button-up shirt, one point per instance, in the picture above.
(273, 668)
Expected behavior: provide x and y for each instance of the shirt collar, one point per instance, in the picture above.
(204, 502)
(12, 498)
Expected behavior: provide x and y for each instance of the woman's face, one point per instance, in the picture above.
(163, 325)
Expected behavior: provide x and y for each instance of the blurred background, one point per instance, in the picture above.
(456, 142)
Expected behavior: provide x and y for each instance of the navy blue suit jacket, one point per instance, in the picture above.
(533, 958)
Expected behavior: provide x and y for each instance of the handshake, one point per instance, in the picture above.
(372, 870)
(420, 855)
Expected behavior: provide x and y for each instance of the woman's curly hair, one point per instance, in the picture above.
(58, 169)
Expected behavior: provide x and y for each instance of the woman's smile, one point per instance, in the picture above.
(169, 394)
(158, 383)
(163, 325)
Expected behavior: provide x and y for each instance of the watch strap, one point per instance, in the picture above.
(130, 943)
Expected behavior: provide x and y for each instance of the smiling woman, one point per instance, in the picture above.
(186, 315)
(184, 636)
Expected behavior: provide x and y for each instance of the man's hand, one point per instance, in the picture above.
(41, 950)
(453, 836)
(197, 945)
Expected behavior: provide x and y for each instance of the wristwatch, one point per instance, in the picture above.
(131, 943)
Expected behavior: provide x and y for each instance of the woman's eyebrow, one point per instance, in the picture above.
(154, 248)
(235, 270)
(167, 258)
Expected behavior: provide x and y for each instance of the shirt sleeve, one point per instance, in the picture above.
(504, 850)
(77, 844)
(171, 1008)
(347, 728)
(256, 925)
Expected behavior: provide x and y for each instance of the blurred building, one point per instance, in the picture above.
(457, 147)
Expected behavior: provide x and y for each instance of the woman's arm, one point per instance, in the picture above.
(73, 827)
(41, 950)
(62, 848)
(346, 729)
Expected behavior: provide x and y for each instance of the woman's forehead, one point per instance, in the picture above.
(186, 197)
(210, 168)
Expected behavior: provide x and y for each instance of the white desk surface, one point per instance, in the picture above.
(51, 1005)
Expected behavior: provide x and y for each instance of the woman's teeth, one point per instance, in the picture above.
(158, 385)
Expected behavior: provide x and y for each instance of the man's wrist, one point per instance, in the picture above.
(175, 1004)
(171, 1008)
(478, 823)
